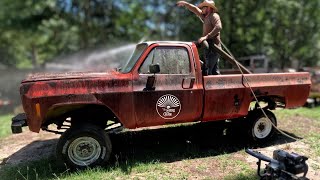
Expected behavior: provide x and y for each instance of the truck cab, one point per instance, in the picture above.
(176, 85)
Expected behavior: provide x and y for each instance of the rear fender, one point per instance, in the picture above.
(272, 102)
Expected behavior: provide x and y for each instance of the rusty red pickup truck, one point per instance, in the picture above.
(162, 83)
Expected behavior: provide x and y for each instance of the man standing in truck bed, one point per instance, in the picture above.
(207, 11)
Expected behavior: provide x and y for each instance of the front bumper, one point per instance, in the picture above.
(18, 122)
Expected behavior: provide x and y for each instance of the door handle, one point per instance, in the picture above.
(187, 83)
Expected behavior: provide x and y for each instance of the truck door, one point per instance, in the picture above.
(176, 95)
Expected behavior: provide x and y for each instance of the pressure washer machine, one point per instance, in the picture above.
(283, 166)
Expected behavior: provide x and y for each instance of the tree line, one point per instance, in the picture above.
(34, 32)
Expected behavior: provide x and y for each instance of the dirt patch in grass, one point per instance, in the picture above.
(197, 168)
(26, 147)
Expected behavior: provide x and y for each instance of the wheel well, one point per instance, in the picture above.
(77, 114)
(268, 102)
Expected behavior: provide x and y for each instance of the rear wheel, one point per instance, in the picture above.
(261, 127)
(84, 146)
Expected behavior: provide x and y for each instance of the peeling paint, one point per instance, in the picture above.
(209, 98)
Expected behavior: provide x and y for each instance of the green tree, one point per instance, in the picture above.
(34, 32)
(295, 31)
(284, 30)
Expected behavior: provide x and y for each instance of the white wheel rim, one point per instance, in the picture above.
(84, 151)
(262, 128)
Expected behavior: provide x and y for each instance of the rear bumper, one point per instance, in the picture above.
(18, 122)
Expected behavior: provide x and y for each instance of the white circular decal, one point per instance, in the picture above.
(168, 106)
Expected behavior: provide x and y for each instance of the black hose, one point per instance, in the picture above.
(261, 156)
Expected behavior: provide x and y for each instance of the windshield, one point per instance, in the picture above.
(134, 58)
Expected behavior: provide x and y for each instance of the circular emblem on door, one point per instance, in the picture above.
(168, 106)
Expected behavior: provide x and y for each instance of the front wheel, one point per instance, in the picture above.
(261, 127)
(84, 146)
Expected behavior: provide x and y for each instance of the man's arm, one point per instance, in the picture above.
(191, 8)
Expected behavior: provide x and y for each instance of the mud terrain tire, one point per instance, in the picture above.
(83, 146)
(260, 128)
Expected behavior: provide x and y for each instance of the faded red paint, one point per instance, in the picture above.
(293, 87)
(208, 98)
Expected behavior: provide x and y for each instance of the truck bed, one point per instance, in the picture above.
(229, 96)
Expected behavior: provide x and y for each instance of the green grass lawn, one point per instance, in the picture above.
(48, 169)
(168, 161)
(313, 113)
(308, 130)
(5, 125)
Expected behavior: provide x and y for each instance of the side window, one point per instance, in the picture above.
(172, 60)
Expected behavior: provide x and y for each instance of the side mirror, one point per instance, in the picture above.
(118, 69)
(150, 84)
(154, 68)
